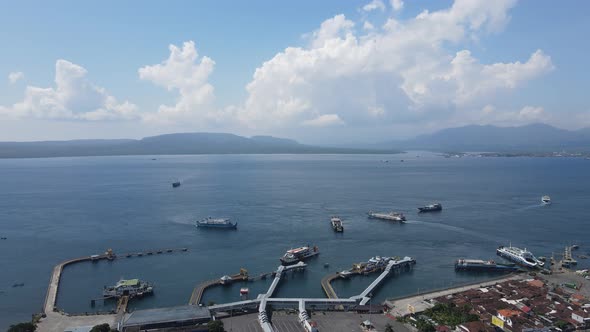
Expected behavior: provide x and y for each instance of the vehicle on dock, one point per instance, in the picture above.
(431, 208)
(293, 256)
(391, 216)
(481, 265)
(519, 256)
(337, 224)
(176, 184)
(546, 200)
(130, 287)
(217, 223)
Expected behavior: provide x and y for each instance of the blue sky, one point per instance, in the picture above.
(350, 78)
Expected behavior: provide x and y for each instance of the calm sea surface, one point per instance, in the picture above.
(56, 209)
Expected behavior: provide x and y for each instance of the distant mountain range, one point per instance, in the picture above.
(171, 144)
(529, 138)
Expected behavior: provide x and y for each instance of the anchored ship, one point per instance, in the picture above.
(337, 224)
(392, 216)
(296, 255)
(430, 208)
(481, 265)
(519, 256)
(546, 200)
(217, 223)
(131, 288)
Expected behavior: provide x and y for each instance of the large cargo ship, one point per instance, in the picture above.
(131, 288)
(296, 255)
(391, 216)
(217, 223)
(481, 265)
(519, 256)
(431, 208)
(337, 224)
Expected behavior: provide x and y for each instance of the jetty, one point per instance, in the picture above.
(392, 265)
(198, 291)
(327, 285)
(568, 259)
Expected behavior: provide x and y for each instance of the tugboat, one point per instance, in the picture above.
(131, 288)
(430, 208)
(546, 200)
(337, 224)
(217, 223)
(392, 216)
(176, 184)
(296, 255)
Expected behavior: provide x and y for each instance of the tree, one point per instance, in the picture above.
(102, 328)
(388, 328)
(22, 327)
(215, 326)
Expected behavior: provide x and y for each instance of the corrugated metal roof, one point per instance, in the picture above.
(165, 315)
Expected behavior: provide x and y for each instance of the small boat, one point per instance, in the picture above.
(244, 291)
(176, 184)
(430, 208)
(217, 223)
(337, 224)
(392, 216)
(546, 200)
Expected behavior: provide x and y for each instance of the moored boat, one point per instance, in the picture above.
(481, 265)
(293, 256)
(391, 216)
(337, 224)
(519, 256)
(430, 208)
(131, 288)
(217, 223)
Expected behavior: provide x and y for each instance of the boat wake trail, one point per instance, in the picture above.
(530, 207)
(462, 230)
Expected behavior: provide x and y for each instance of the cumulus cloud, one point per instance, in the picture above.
(374, 5)
(397, 4)
(402, 72)
(73, 97)
(187, 74)
(15, 76)
(324, 120)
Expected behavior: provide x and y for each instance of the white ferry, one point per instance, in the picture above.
(519, 256)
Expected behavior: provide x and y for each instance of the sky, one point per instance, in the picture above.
(315, 71)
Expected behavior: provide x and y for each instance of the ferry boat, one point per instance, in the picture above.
(430, 208)
(392, 216)
(176, 184)
(217, 223)
(337, 224)
(296, 255)
(481, 265)
(131, 288)
(546, 200)
(519, 256)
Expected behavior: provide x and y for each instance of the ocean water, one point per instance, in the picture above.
(56, 209)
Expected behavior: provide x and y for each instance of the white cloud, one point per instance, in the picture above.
(15, 76)
(406, 67)
(397, 4)
(374, 5)
(184, 72)
(368, 26)
(73, 97)
(324, 120)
